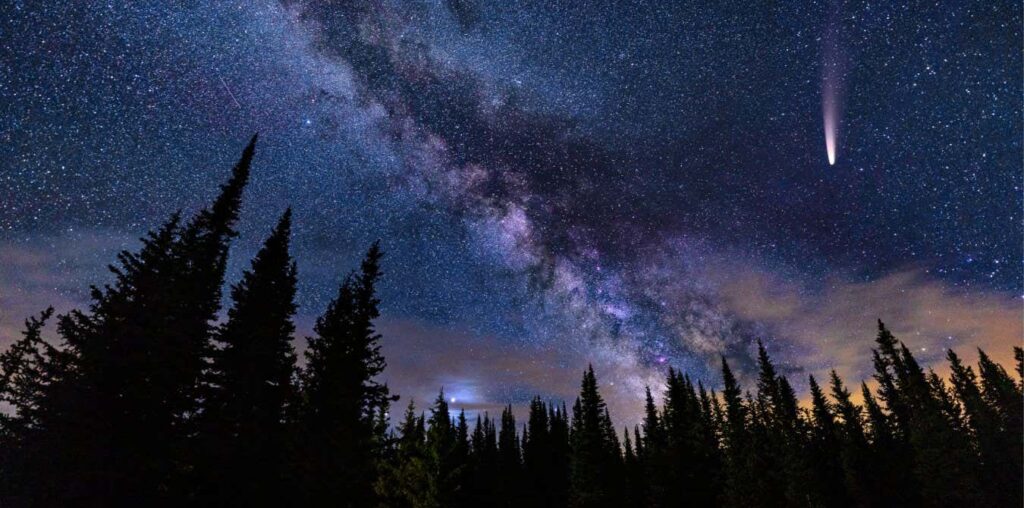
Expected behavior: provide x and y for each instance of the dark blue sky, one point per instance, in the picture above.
(630, 183)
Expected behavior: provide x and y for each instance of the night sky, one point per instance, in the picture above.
(634, 184)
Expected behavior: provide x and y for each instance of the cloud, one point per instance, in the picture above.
(485, 373)
(49, 271)
(833, 324)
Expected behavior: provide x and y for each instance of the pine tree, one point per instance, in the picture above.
(1002, 394)
(633, 483)
(30, 369)
(891, 450)
(510, 461)
(687, 466)
(774, 436)
(122, 419)
(440, 458)
(252, 393)
(560, 465)
(858, 477)
(741, 486)
(994, 414)
(595, 459)
(341, 395)
(656, 453)
(827, 484)
(484, 461)
(404, 480)
(540, 463)
(461, 462)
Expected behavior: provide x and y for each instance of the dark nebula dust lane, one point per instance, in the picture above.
(637, 184)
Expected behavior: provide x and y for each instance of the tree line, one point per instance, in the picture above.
(147, 399)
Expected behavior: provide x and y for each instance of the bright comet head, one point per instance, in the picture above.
(830, 140)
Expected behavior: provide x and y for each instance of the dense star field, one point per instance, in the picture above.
(633, 185)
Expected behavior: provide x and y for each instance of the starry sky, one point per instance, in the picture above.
(636, 185)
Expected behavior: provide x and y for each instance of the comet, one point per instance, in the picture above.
(831, 86)
(829, 110)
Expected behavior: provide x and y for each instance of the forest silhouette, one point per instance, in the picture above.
(148, 399)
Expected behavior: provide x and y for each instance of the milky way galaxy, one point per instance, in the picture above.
(635, 185)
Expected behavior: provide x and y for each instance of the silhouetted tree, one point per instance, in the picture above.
(29, 370)
(859, 477)
(245, 422)
(404, 480)
(655, 456)
(509, 466)
(121, 419)
(540, 456)
(341, 395)
(740, 488)
(827, 486)
(595, 456)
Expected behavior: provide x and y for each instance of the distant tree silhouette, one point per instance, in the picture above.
(483, 462)
(544, 455)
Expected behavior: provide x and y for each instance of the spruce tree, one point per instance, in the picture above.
(741, 486)
(461, 462)
(773, 436)
(685, 468)
(341, 395)
(1002, 394)
(123, 417)
(995, 415)
(509, 465)
(892, 452)
(824, 454)
(247, 415)
(656, 459)
(484, 461)
(404, 480)
(633, 483)
(1000, 465)
(26, 370)
(945, 467)
(595, 457)
(30, 369)
(560, 456)
(859, 478)
(540, 463)
(441, 458)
